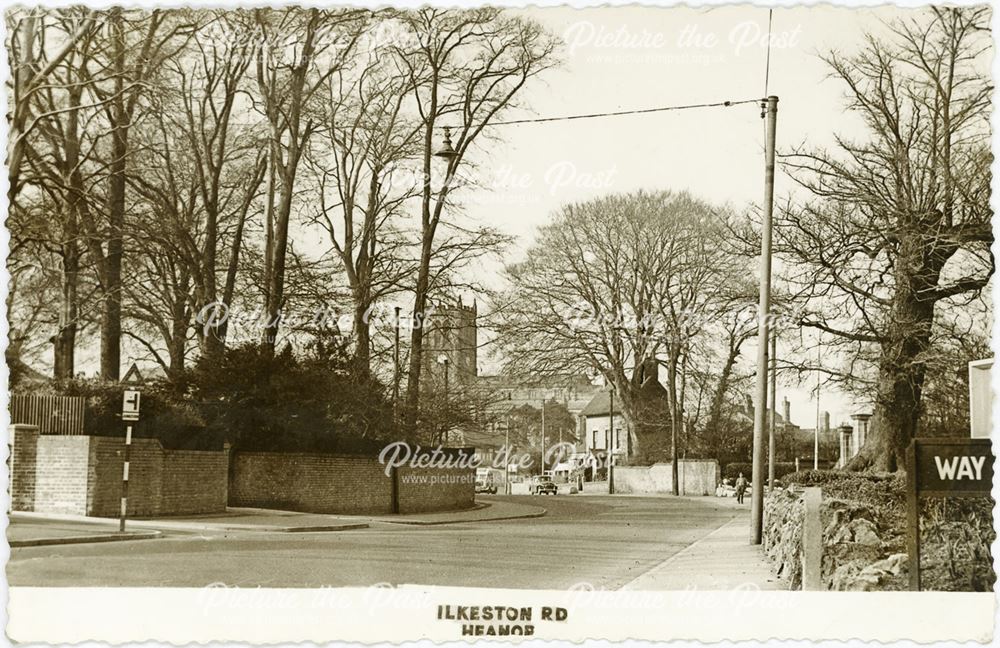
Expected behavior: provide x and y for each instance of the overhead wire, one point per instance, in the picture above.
(620, 113)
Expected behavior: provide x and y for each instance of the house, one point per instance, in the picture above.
(598, 418)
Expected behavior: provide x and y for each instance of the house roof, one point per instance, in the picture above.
(600, 405)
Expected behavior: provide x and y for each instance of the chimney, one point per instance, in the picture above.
(650, 369)
(826, 422)
(787, 410)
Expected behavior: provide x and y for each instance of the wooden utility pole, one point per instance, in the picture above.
(395, 364)
(763, 329)
(506, 456)
(819, 374)
(611, 443)
(774, 410)
(543, 435)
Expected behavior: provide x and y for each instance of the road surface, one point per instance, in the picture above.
(603, 541)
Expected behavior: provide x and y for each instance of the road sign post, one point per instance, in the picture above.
(942, 468)
(130, 414)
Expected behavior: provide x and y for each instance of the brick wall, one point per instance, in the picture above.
(82, 475)
(423, 490)
(23, 442)
(316, 483)
(61, 474)
(145, 476)
(197, 481)
(323, 483)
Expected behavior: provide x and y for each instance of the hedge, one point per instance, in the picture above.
(733, 470)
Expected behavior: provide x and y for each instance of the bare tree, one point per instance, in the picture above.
(137, 45)
(227, 164)
(31, 67)
(288, 80)
(611, 285)
(360, 169)
(900, 225)
(52, 150)
(464, 68)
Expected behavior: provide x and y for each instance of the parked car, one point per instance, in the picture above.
(544, 487)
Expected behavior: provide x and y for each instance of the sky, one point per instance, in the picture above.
(640, 57)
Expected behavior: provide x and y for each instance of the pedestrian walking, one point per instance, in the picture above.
(741, 488)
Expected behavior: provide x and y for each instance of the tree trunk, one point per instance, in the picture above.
(220, 331)
(901, 368)
(288, 167)
(417, 341)
(276, 282)
(719, 396)
(672, 362)
(111, 311)
(65, 339)
(362, 334)
(362, 275)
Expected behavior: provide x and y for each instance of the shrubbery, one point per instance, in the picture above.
(884, 492)
(733, 470)
(280, 402)
(317, 402)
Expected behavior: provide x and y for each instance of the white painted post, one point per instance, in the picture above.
(812, 541)
(124, 503)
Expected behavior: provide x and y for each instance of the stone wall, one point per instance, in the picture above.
(784, 515)
(344, 484)
(695, 478)
(82, 475)
(855, 556)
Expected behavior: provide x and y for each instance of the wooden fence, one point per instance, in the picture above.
(52, 414)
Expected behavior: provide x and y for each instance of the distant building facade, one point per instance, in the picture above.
(573, 391)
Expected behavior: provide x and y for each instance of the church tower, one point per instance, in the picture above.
(452, 333)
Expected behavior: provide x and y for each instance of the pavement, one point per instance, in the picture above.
(600, 542)
(36, 533)
(31, 529)
(722, 560)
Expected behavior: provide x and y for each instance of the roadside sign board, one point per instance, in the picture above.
(130, 405)
(943, 468)
(980, 398)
